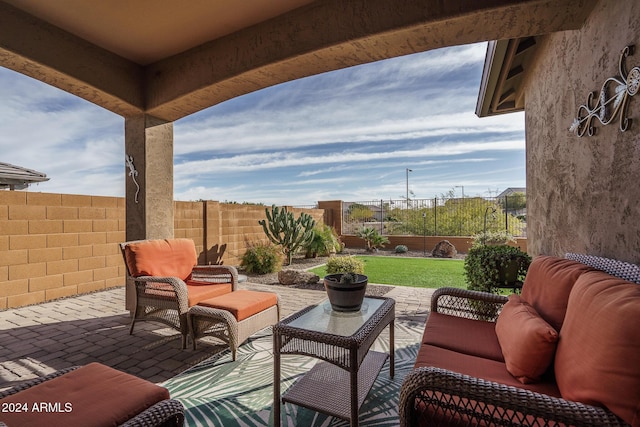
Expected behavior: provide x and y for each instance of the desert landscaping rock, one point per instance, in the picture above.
(294, 277)
(444, 249)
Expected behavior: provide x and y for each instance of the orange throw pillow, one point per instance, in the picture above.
(528, 342)
(598, 357)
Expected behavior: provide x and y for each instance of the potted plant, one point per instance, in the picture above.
(345, 290)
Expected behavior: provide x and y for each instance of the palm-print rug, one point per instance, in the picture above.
(220, 392)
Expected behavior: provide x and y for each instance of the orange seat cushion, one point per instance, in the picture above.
(94, 395)
(547, 286)
(167, 258)
(479, 367)
(468, 336)
(199, 293)
(598, 356)
(528, 342)
(243, 303)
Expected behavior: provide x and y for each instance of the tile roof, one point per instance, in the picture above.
(19, 178)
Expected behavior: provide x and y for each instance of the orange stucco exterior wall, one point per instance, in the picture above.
(583, 193)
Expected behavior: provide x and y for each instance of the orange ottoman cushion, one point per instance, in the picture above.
(243, 303)
(169, 257)
(94, 395)
(598, 356)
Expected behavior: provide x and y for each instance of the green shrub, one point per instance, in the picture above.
(345, 264)
(372, 238)
(401, 249)
(486, 267)
(262, 258)
(324, 242)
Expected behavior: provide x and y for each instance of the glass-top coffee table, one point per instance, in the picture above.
(339, 384)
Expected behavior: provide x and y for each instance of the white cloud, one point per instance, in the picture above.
(346, 134)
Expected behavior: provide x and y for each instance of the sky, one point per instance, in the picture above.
(344, 135)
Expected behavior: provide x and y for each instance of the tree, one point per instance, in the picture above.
(359, 213)
(372, 238)
(514, 202)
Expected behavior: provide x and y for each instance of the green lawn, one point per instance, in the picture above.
(416, 272)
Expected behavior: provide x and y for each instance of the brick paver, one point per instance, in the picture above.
(40, 339)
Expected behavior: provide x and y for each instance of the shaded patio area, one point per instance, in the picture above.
(40, 339)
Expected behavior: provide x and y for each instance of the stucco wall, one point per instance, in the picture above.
(583, 193)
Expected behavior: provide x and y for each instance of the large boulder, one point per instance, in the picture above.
(444, 249)
(296, 277)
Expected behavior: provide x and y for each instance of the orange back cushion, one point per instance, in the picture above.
(548, 284)
(598, 357)
(169, 257)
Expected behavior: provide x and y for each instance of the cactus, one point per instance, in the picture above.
(348, 278)
(283, 229)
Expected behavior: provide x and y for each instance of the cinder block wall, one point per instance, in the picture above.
(57, 245)
(237, 227)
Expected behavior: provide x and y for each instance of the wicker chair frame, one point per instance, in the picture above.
(167, 413)
(165, 299)
(463, 400)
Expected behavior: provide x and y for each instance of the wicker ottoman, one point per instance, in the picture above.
(233, 317)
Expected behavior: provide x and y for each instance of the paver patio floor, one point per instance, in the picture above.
(40, 339)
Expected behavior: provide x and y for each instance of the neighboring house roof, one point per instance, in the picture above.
(502, 77)
(509, 191)
(18, 178)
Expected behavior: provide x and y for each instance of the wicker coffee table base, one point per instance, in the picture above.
(327, 388)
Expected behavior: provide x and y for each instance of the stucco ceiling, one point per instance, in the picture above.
(171, 58)
(145, 31)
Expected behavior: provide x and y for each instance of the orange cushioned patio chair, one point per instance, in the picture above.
(168, 281)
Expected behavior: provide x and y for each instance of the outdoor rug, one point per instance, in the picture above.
(220, 392)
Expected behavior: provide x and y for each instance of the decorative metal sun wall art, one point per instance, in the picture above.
(614, 95)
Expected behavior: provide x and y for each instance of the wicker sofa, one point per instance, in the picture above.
(564, 352)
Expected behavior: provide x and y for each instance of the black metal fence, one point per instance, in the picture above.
(438, 216)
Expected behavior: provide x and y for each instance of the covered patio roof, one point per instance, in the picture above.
(170, 59)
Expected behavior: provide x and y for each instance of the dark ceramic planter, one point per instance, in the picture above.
(345, 297)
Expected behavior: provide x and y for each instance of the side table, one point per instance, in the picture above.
(340, 382)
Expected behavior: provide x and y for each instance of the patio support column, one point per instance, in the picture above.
(148, 145)
(149, 208)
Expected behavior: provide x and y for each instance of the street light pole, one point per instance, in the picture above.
(461, 186)
(408, 170)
